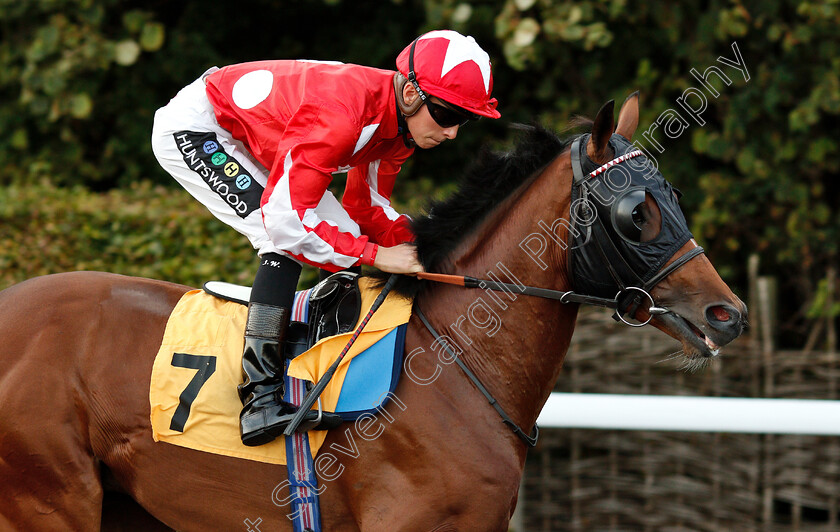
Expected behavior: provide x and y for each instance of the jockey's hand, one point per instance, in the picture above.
(398, 259)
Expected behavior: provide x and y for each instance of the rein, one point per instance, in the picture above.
(571, 296)
(530, 440)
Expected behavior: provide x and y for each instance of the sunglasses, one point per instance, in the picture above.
(447, 116)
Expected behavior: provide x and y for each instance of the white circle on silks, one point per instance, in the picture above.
(252, 89)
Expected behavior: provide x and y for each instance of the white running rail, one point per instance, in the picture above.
(694, 414)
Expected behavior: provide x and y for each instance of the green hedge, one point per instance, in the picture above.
(144, 230)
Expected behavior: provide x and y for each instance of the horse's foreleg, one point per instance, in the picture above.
(49, 479)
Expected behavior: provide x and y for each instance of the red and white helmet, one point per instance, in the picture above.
(452, 67)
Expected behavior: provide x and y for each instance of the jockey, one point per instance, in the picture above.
(257, 144)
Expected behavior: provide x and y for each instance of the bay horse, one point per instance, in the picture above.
(76, 352)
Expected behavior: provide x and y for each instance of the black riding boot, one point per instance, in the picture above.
(263, 369)
(263, 364)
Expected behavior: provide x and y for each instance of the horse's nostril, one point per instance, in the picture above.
(720, 313)
(723, 316)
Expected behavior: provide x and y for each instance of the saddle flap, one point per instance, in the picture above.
(206, 329)
(335, 305)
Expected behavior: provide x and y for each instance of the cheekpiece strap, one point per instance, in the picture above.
(671, 268)
(576, 168)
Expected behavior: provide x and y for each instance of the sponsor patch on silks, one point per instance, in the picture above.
(193, 397)
(223, 174)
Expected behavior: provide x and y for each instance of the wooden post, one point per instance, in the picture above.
(756, 484)
(830, 331)
(766, 293)
(831, 349)
(752, 302)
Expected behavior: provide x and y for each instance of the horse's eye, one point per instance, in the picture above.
(638, 216)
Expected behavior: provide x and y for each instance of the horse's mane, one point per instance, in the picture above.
(490, 179)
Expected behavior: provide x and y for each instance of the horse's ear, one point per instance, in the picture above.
(628, 117)
(602, 130)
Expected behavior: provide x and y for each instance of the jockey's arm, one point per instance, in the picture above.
(367, 200)
(298, 181)
(316, 142)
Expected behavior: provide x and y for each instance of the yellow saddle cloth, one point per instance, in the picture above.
(193, 397)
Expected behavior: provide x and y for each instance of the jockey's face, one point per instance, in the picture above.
(422, 127)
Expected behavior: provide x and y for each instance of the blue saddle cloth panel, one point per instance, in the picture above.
(372, 374)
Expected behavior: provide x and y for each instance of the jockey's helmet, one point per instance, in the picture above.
(450, 66)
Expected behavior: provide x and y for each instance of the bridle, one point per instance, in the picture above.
(633, 293)
(627, 294)
(628, 297)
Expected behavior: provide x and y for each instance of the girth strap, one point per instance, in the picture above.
(530, 440)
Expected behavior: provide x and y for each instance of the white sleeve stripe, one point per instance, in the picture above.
(289, 233)
(364, 138)
(377, 199)
(373, 175)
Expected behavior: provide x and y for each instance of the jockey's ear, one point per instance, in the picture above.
(628, 117)
(409, 93)
(598, 147)
(408, 100)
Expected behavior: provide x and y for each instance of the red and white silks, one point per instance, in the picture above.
(290, 125)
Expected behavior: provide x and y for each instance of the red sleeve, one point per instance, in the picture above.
(367, 200)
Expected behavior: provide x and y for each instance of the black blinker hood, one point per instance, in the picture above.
(603, 260)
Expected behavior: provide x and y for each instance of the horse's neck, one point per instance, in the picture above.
(515, 344)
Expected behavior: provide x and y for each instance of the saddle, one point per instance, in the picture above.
(334, 307)
(207, 330)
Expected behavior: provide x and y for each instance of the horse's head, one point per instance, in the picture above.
(631, 232)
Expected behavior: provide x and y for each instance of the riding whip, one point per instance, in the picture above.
(315, 392)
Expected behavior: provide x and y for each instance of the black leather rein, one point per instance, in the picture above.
(530, 440)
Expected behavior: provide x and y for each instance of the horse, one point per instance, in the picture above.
(77, 351)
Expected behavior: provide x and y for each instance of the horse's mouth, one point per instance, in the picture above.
(695, 343)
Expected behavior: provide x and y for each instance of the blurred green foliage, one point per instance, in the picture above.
(80, 81)
(145, 230)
